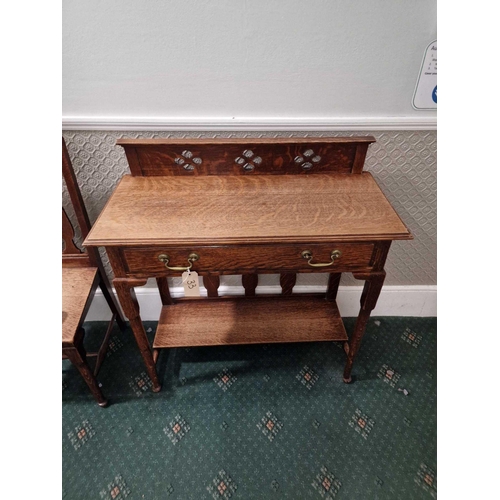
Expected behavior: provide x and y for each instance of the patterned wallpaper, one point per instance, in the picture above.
(403, 163)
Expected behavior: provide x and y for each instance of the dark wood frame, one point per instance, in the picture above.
(229, 157)
(87, 262)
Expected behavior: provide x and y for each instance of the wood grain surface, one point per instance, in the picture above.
(251, 156)
(246, 209)
(233, 202)
(244, 258)
(249, 321)
(77, 287)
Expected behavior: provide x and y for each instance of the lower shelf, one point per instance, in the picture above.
(207, 322)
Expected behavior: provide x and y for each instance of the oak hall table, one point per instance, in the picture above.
(249, 207)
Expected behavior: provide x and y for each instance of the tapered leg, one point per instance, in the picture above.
(369, 297)
(126, 294)
(111, 300)
(78, 357)
(101, 354)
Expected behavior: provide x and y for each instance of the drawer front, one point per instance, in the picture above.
(255, 258)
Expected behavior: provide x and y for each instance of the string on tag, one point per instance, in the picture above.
(188, 271)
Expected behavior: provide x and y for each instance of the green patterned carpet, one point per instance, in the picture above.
(258, 422)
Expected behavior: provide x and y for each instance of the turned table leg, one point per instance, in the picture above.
(369, 297)
(333, 286)
(128, 300)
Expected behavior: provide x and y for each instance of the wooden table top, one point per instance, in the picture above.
(215, 210)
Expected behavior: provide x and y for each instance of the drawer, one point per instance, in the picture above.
(251, 258)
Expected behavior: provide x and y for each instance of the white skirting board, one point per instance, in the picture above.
(393, 301)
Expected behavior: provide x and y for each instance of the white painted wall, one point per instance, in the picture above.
(258, 59)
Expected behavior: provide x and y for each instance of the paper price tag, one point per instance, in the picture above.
(191, 283)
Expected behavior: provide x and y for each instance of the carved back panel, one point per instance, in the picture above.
(72, 256)
(68, 235)
(164, 157)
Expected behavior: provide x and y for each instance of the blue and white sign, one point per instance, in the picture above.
(425, 96)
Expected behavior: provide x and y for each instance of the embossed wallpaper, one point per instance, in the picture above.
(403, 163)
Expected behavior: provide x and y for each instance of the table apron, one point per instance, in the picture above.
(144, 261)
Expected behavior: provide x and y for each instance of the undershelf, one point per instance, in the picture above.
(204, 322)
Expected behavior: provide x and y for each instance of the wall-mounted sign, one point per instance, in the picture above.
(425, 96)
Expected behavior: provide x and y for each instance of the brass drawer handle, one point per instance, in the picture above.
(165, 259)
(307, 254)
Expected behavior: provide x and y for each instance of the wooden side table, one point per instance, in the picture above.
(249, 207)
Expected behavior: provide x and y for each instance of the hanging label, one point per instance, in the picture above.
(425, 96)
(191, 283)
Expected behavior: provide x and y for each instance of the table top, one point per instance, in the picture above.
(215, 210)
